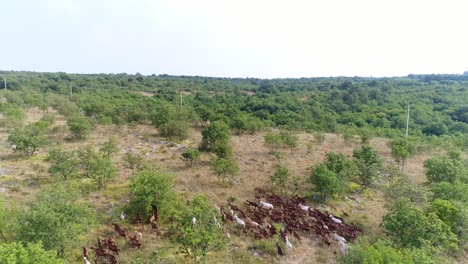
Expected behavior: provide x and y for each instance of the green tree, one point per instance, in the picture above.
(109, 147)
(400, 152)
(326, 181)
(448, 212)
(191, 156)
(440, 169)
(79, 126)
(62, 163)
(340, 164)
(57, 218)
(8, 221)
(102, 171)
(31, 253)
(289, 140)
(215, 133)
(273, 141)
(86, 155)
(411, 227)
(175, 130)
(27, 140)
(280, 178)
(152, 187)
(368, 163)
(133, 161)
(199, 238)
(224, 168)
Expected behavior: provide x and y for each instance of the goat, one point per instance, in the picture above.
(239, 221)
(86, 261)
(339, 238)
(288, 244)
(122, 216)
(336, 220)
(303, 207)
(265, 205)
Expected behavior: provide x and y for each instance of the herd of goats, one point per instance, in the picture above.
(258, 218)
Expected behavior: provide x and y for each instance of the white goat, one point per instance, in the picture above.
(122, 216)
(336, 220)
(239, 221)
(304, 208)
(265, 205)
(288, 244)
(86, 261)
(339, 238)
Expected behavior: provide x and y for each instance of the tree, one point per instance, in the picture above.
(215, 133)
(191, 156)
(400, 152)
(133, 161)
(175, 130)
(27, 140)
(30, 253)
(448, 212)
(440, 169)
(199, 238)
(57, 218)
(325, 181)
(149, 187)
(79, 126)
(86, 155)
(109, 147)
(223, 168)
(280, 178)
(102, 171)
(289, 140)
(8, 221)
(368, 163)
(340, 164)
(273, 141)
(411, 227)
(63, 164)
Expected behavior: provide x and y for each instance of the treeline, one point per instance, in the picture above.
(438, 108)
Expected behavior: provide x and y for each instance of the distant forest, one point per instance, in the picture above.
(438, 103)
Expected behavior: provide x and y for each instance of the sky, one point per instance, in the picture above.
(238, 38)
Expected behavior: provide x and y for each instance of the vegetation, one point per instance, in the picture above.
(426, 222)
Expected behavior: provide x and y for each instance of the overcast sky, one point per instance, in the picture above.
(239, 38)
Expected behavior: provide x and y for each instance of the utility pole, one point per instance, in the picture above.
(181, 100)
(407, 121)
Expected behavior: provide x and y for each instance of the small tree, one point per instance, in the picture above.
(368, 163)
(289, 140)
(325, 181)
(109, 147)
(57, 218)
(224, 168)
(63, 164)
(133, 161)
(79, 126)
(215, 133)
(440, 169)
(280, 178)
(319, 137)
(149, 187)
(191, 156)
(175, 130)
(199, 238)
(27, 140)
(102, 171)
(273, 141)
(400, 152)
(86, 155)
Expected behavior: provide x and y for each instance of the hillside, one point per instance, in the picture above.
(157, 118)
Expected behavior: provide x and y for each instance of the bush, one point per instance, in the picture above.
(191, 156)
